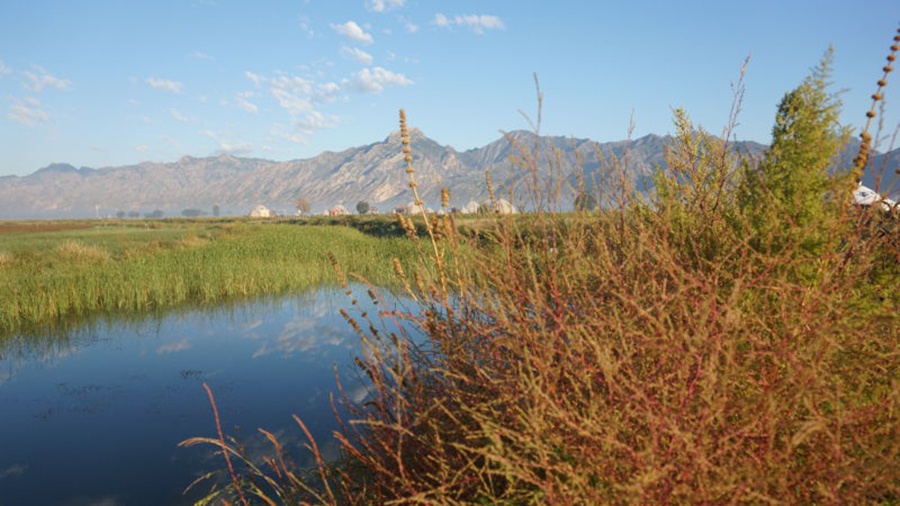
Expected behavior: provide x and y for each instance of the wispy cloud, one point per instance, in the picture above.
(164, 84)
(13, 471)
(315, 120)
(173, 347)
(352, 53)
(142, 148)
(40, 79)
(202, 56)
(411, 27)
(4, 70)
(227, 148)
(27, 111)
(375, 80)
(209, 133)
(245, 104)
(478, 23)
(384, 5)
(353, 31)
(306, 25)
(180, 117)
(297, 95)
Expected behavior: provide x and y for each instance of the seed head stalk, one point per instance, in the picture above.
(862, 159)
(407, 157)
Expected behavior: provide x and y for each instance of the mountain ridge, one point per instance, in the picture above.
(373, 172)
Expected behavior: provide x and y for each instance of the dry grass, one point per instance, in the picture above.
(656, 352)
(77, 251)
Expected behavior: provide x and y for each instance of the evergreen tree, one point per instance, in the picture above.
(787, 190)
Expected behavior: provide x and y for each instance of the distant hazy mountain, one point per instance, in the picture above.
(374, 173)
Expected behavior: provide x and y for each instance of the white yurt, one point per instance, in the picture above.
(504, 206)
(260, 211)
(470, 208)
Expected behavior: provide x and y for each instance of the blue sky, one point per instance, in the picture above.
(111, 82)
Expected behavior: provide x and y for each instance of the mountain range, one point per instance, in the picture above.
(374, 173)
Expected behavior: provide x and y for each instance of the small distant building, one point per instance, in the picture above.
(261, 211)
(338, 210)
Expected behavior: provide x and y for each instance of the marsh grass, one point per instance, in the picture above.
(681, 347)
(51, 280)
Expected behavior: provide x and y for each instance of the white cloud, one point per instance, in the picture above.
(327, 92)
(209, 133)
(384, 5)
(297, 95)
(180, 117)
(375, 80)
(146, 120)
(245, 104)
(352, 53)
(256, 78)
(27, 111)
(291, 102)
(352, 31)
(411, 27)
(141, 149)
(315, 120)
(164, 84)
(43, 79)
(478, 23)
(134, 102)
(4, 70)
(173, 347)
(227, 148)
(202, 99)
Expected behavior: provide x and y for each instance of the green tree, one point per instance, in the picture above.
(134, 214)
(216, 210)
(362, 207)
(787, 190)
(120, 214)
(191, 213)
(302, 205)
(585, 202)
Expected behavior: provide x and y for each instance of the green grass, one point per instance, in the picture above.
(47, 278)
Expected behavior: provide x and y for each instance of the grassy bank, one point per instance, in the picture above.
(50, 276)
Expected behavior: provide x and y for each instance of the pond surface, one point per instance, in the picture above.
(94, 417)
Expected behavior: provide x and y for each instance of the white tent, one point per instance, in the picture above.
(260, 211)
(470, 208)
(865, 196)
(503, 206)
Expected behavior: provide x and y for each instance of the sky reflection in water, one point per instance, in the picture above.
(95, 417)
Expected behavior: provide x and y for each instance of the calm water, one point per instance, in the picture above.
(95, 417)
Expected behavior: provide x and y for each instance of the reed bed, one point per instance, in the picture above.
(45, 280)
(713, 342)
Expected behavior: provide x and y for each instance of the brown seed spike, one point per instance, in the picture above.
(870, 114)
(887, 68)
(882, 83)
(876, 97)
(891, 57)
